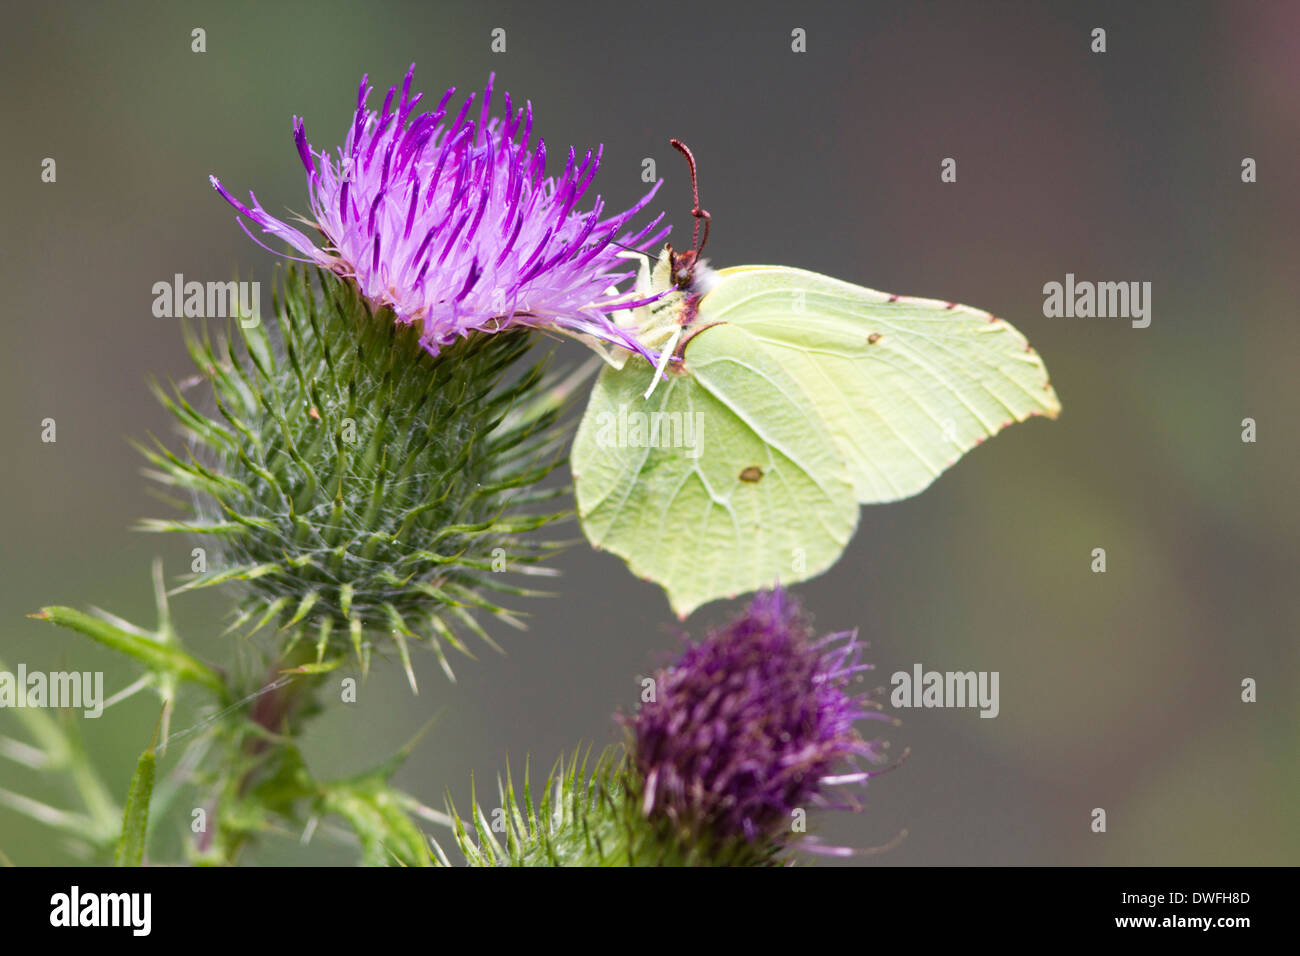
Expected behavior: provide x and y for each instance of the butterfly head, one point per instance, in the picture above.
(670, 291)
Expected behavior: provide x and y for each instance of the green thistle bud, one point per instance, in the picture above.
(747, 728)
(357, 485)
(590, 814)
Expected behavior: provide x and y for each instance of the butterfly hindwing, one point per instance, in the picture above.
(722, 482)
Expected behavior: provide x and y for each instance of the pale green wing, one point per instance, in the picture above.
(905, 386)
(722, 482)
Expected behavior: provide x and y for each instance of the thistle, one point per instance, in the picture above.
(753, 726)
(747, 730)
(358, 485)
(452, 224)
(370, 469)
(365, 469)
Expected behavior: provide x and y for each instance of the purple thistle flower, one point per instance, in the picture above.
(448, 219)
(752, 723)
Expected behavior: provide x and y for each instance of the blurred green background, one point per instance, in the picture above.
(1118, 690)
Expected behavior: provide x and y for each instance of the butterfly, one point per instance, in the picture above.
(783, 400)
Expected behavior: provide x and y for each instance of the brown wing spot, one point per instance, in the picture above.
(751, 474)
(893, 298)
(873, 338)
(951, 305)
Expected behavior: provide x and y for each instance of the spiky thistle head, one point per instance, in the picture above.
(753, 724)
(358, 486)
(585, 814)
(747, 727)
(448, 219)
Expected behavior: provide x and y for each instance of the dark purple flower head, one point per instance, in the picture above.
(448, 218)
(753, 723)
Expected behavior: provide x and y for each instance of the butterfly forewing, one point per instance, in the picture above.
(905, 386)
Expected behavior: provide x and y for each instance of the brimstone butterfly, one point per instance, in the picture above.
(786, 399)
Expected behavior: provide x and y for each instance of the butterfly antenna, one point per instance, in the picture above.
(697, 246)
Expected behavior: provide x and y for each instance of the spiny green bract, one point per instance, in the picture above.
(590, 817)
(356, 485)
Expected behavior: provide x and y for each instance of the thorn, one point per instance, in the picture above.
(404, 653)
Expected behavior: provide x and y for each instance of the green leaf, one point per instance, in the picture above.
(375, 812)
(160, 657)
(58, 749)
(317, 667)
(135, 819)
(287, 782)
